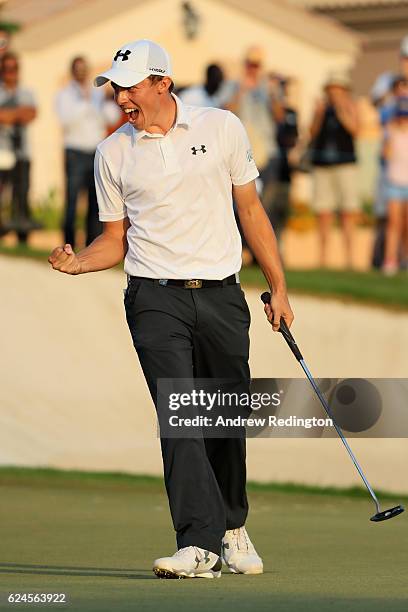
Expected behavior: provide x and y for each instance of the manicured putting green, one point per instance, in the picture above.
(95, 538)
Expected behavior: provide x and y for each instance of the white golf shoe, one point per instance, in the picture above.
(239, 553)
(189, 562)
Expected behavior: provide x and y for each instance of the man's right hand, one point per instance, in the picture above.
(64, 259)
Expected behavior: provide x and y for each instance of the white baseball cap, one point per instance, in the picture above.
(134, 62)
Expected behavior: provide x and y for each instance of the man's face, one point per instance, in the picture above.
(141, 102)
(10, 72)
(400, 88)
(80, 70)
(253, 68)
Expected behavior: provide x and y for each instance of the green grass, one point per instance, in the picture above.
(366, 287)
(95, 540)
(39, 476)
(23, 250)
(49, 212)
(363, 287)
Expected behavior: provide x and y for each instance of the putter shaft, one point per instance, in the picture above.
(284, 329)
(340, 433)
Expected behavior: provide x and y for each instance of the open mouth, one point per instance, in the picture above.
(132, 114)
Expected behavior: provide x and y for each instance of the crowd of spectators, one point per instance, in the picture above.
(328, 152)
(326, 149)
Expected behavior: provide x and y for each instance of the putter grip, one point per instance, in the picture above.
(284, 330)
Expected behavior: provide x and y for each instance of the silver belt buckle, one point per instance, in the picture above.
(193, 283)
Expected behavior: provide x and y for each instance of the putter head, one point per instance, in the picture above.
(387, 514)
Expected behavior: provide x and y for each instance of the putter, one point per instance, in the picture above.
(283, 328)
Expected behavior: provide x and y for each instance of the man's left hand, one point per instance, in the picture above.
(279, 307)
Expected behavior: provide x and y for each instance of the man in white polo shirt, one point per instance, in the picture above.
(165, 182)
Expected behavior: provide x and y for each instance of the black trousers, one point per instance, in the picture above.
(19, 179)
(200, 333)
(79, 174)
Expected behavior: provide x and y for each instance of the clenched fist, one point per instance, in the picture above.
(64, 259)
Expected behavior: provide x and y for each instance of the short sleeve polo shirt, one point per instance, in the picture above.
(176, 190)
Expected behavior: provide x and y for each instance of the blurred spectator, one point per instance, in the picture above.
(404, 57)
(396, 154)
(85, 114)
(208, 94)
(384, 94)
(4, 42)
(387, 88)
(286, 137)
(17, 110)
(333, 129)
(252, 100)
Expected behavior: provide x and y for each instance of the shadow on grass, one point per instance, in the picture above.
(59, 570)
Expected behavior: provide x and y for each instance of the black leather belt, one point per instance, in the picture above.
(191, 283)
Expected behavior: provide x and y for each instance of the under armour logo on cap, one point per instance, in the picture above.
(195, 150)
(123, 54)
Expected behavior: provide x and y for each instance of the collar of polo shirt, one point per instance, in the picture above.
(182, 118)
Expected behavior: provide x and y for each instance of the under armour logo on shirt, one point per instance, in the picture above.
(195, 150)
(123, 54)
